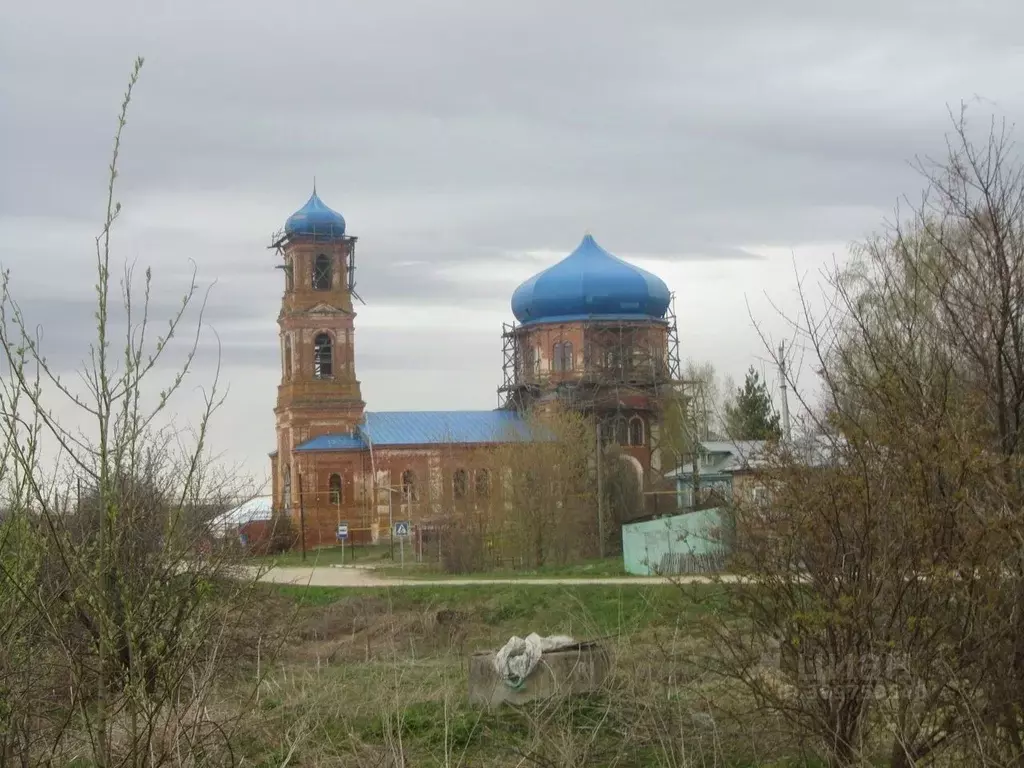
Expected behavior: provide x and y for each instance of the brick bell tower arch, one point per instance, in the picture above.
(318, 393)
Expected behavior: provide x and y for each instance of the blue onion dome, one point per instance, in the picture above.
(315, 219)
(591, 283)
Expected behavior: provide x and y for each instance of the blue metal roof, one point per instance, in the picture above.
(341, 442)
(315, 219)
(420, 427)
(590, 283)
(384, 428)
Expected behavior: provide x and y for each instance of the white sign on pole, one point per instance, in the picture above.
(342, 531)
(402, 528)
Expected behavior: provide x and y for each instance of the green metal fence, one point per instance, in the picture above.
(689, 543)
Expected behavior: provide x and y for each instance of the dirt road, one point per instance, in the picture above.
(354, 576)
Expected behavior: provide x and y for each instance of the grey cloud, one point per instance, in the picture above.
(462, 133)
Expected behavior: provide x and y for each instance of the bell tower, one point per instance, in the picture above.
(319, 393)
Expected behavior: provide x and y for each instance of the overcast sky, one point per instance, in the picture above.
(470, 144)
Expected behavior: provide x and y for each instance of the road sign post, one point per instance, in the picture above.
(401, 532)
(342, 535)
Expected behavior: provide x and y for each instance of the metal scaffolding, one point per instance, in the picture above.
(280, 240)
(620, 358)
(626, 367)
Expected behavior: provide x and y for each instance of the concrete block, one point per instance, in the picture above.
(578, 668)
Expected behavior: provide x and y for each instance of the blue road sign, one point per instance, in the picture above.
(402, 528)
(342, 531)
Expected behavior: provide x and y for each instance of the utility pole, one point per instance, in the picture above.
(302, 519)
(785, 395)
(391, 520)
(695, 408)
(600, 494)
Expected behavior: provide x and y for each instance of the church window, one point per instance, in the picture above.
(562, 356)
(522, 359)
(613, 359)
(621, 431)
(288, 281)
(287, 357)
(335, 487)
(409, 487)
(286, 488)
(483, 483)
(460, 483)
(322, 273)
(322, 356)
(636, 431)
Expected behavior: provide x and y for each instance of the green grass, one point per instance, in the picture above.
(585, 609)
(409, 687)
(608, 567)
(364, 554)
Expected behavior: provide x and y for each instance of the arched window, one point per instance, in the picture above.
(286, 488)
(613, 359)
(334, 483)
(483, 483)
(460, 483)
(409, 488)
(536, 360)
(289, 283)
(287, 357)
(636, 431)
(322, 356)
(322, 273)
(621, 431)
(561, 358)
(522, 359)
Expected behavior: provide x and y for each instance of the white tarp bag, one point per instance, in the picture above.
(518, 657)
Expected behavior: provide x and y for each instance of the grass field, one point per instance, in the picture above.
(586, 607)
(596, 568)
(379, 557)
(377, 677)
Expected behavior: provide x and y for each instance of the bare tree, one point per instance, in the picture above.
(541, 507)
(889, 562)
(119, 612)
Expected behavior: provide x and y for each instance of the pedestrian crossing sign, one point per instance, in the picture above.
(402, 528)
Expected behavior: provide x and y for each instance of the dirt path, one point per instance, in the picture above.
(354, 576)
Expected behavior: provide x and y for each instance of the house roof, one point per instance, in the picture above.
(255, 509)
(386, 428)
(740, 455)
(726, 457)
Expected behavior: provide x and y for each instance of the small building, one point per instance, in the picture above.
(724, 469)
(251, 522)
(730, 470)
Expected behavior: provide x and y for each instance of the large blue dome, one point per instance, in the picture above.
(315, 219)
(590, 282)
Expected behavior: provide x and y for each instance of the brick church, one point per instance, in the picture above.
(592, 332)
